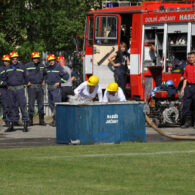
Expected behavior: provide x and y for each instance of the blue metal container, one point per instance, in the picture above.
(100, 123)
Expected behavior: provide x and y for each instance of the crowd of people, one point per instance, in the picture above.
(14, 77)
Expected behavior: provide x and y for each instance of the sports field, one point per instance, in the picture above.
(129, 168)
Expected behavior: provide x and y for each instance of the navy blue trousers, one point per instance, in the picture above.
(121, 79)
(35, 94)
(5, 103)
(54, 96)
(17, 101)
(189, 100)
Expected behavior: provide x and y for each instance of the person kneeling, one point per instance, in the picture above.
(88, 90)
(113, 93)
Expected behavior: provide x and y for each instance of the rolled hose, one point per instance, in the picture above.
(179, 137)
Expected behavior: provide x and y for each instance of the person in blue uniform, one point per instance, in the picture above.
(16, 79)
(3, 88)
(54, 77)
(35, 71)
(170, 88)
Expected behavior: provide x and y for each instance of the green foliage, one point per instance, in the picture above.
(42, 25)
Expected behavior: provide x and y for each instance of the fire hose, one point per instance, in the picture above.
(179, 137)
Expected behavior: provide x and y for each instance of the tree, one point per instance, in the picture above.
(42, 25)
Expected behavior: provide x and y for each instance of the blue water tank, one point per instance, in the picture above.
(100, 123)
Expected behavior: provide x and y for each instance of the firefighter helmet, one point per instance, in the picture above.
(35, 54)
(93, 80)
(60, 58)
(112, 87)
(13, 54)
(156, 89)
(169, 83)
(51, 57)
(6, 58)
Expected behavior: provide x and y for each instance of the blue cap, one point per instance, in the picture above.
(169, 82)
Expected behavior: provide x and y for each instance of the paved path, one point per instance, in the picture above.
(46, 135)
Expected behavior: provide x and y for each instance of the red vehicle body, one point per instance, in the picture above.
(159, 36)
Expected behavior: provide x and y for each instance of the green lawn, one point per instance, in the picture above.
(129, 168)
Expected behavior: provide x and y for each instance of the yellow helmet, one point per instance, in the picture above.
(93, 80)
(13, 54)
(51, 57)
(112, 87)
(6, 58)
(35, 54)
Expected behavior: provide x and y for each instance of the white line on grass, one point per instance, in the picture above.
(102, 155)
(116, 154)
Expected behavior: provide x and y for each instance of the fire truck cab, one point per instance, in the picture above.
(158, 34)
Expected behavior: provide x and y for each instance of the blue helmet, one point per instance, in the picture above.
(169, 82)
(156, 89)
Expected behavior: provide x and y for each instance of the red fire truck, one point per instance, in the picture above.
(159, 35)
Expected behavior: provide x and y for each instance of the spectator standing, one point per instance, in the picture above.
(35, 80)
(54, 77)
(16, 79)
(3, 88)
(67, 86)
(120, 60)
(188, 91)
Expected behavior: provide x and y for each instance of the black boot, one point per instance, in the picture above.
(30, 122)
(41, 120)
(187, 123)
(6, 124)
(10, 128)
(53, 123)
(17, 123)
(25, 126)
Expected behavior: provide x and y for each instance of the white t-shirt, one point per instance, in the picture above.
(119, 96)
(83, 91)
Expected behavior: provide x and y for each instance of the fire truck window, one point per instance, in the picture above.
(126, 29)
(90, 32)
(153, 47)
(106, 30)
(193, 43)
(176, 51)
(193, 37)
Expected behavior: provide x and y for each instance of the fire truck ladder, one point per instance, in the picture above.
(110, 4)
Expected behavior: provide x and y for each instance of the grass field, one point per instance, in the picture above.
(129, 168)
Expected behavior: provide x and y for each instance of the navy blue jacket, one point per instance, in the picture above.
(15, 75)
(35, 73)
(3, 76)
(56, 74)
(171, 91)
